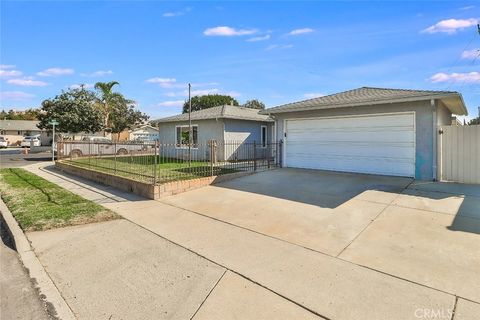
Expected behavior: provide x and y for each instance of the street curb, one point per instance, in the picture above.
(46, 288)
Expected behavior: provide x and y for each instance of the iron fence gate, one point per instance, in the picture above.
(158, 162)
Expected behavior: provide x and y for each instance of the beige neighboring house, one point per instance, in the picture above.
(144, 133)
(15, 130)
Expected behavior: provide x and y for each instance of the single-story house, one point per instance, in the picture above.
(16, 130)
(231, 126)
(144, 133)
(367, 130)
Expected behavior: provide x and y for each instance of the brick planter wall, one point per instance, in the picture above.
(145, 189)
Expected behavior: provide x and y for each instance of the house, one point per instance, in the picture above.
(15, 130)
(144, 133)
(237, 125)
(367, 130)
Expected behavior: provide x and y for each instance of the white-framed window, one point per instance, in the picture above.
(182, 136)
(263, 136)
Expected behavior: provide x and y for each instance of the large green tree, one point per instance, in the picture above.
(74, 109)
(474, 121)
(125, 116)
(254, 104)
(209, 101)
(29, 114)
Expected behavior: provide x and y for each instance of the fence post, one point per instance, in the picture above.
(280, 151)
(155, 162)
(267, 154)
(115, 158)
(212, 150)
(254, 155)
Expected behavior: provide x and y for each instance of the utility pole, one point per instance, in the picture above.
(190, 133)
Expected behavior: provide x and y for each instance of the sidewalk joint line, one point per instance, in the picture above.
(209, 293)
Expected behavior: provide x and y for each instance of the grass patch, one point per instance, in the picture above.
(142, 168)
(38, 204)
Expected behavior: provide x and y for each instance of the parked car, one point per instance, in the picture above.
(27, 141)
(3, 142)
(94, 145)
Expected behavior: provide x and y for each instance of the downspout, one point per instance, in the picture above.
(434, 146)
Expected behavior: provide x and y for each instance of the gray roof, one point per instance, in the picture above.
(220, 112)
(23, 125)
(370, 96)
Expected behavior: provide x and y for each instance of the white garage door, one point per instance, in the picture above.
(378, 144)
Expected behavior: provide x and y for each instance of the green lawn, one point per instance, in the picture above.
(38, 204)
(142, 168)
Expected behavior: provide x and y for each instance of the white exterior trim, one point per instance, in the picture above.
(183, 126)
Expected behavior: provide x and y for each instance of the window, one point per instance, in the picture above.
(264, 137)
(19, 133)
(182, 134)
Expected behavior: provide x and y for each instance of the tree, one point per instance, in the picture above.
(254, 104)
(108, 100)
(209, 101)
(75, 111)
(29, 114)
(125, 117)
(474, 121)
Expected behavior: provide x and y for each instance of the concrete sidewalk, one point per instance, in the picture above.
(119, 270)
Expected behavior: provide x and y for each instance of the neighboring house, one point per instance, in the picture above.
(230, 126)
(367, 130)
(15, 130)
(144, 133)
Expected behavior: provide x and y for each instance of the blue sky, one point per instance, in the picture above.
(277, 52)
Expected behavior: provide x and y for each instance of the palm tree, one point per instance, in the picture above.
(108, 100)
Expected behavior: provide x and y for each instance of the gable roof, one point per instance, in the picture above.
(370, 96)
(143, 126)
(19, 125)
(220, 112)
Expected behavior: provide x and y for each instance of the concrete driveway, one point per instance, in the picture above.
(424, 232)
(279, 244)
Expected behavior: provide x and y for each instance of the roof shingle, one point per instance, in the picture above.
(360, 96)
(220, 112)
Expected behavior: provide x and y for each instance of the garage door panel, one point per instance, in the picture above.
(382, 144)
(360, 151)
(394, 168)
(342, 136)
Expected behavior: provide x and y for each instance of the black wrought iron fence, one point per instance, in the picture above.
(158, 162)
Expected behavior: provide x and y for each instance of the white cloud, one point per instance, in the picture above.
(451, 26)
(176, 13)
(164, 82)
(312, 95)
(78, 86)
(471, 54)
(56, 72)
(279, 46)
(27, 82)
(471, 77)
(467, 8)
(296, 32)
(99, 73)
(6, 66)
(204, 92)
(260, 38)
(10, 73)
(15, 95)
(171, 103)
(225, 31)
